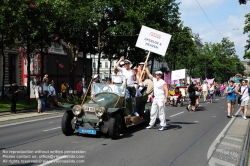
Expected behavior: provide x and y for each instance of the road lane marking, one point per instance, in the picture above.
(52, 129)
(12, 124)
(176, 114)
(217, 140)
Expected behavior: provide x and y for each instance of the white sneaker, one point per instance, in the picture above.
(136, 114)
(244, 117)
(149, 127)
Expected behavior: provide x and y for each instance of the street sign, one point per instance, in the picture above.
(153, 40)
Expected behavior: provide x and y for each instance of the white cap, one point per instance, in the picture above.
(95, 76)
(126, 60)
(121, 63)
(141, 63)
(158, 72)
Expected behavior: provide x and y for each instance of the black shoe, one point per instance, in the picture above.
(187, 108)
(229, 116)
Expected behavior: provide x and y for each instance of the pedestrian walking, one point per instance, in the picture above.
(13, 93)
(244, 98)
(160, 99)
(39, 96)
(230, 90)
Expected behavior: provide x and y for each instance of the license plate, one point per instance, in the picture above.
(87, 131)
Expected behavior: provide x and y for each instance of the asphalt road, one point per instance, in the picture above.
(185, 142)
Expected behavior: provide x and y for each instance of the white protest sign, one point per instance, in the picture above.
(178, 74)
(153, 40)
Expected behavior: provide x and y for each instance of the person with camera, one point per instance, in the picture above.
(13, 96)
(230, 90)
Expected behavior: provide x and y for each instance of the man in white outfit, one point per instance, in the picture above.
(160, 99)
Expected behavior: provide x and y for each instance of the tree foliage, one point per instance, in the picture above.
(247, 30)
(216, 60)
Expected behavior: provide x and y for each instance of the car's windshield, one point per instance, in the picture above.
(112, 88)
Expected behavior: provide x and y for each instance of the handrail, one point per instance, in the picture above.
(245, 149)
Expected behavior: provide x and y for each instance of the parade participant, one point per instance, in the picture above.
(191, 91)
(222, 89)
(231, 99)
(211, 93)
(140, 68)
(13, 96)
(130, 76)
(244, 98)
(204, 88)
(96, 79)
(116, 77)
(175, 97)
(160, 99)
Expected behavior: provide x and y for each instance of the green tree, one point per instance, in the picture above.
(247, 30)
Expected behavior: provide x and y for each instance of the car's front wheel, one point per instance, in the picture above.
(115, 126)
(66, 124)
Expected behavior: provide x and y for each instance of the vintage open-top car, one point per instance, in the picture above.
(107, 112)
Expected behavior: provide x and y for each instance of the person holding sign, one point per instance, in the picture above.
(130, 76)
(160, 99)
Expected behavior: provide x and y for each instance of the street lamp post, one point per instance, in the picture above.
(57, 64)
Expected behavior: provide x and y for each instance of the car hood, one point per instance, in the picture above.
(106, 100)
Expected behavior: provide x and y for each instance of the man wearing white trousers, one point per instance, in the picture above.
(160, 99)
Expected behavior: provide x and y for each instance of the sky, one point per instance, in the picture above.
(227, 16)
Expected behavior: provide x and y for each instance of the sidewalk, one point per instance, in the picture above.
(228, 146)
(7, 116)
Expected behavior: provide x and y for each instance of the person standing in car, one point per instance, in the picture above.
(13, 96)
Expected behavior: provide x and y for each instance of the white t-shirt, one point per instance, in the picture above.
(245, 95)
(52, 90)
(158, 88)
(117, 78)
(45, 86)
(204, 87)
(37, 89)
(128, 75)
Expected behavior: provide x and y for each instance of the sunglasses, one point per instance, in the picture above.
(126, 63)
(158, 74)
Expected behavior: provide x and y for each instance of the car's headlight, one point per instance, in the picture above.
(99, 111)
(77, 110)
